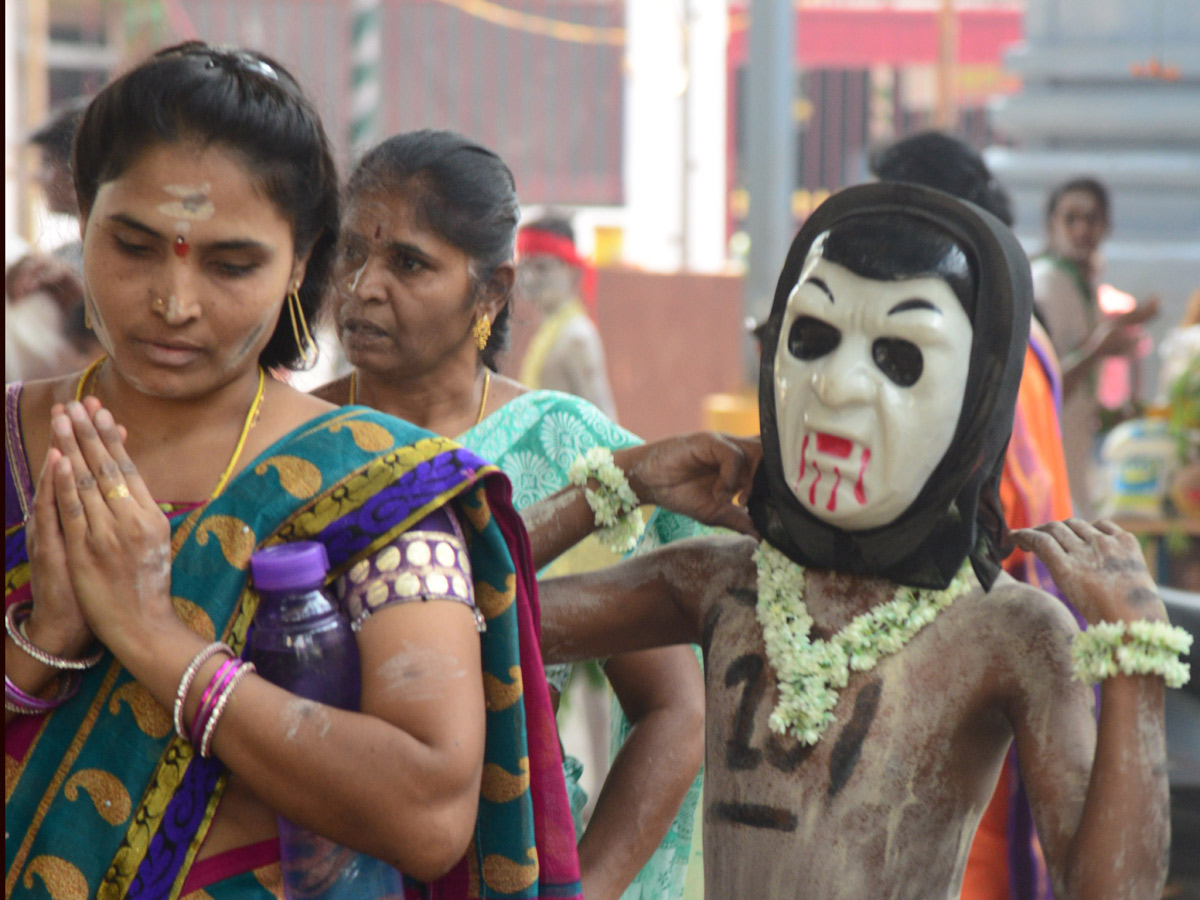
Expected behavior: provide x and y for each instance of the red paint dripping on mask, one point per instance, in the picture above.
(832, 504)
(812, 490)
(803, 460)
(859, 494)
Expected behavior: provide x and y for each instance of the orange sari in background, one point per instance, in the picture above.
(1005, 860)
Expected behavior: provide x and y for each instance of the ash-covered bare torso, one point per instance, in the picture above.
(886, 803)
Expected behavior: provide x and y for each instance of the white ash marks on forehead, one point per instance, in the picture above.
(192, 202)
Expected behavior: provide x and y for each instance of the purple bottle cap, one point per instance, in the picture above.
(288, 567)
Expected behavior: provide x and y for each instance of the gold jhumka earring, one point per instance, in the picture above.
(482, 330)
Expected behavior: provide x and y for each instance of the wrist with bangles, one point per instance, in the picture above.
(613, 501)
(1142, 647)
(213, 699)
(18, 701)
(15, 618)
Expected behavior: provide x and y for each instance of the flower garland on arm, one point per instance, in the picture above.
(1152, 648)
(613, 503)
(811, 673)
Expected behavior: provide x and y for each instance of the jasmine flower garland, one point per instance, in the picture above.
(1152, 648)
(811, 673)
(614, 503)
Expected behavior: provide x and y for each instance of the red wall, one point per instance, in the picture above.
(669, 340)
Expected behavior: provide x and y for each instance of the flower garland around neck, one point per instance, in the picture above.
(811, 673)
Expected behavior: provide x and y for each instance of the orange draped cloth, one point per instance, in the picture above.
(1033, 490)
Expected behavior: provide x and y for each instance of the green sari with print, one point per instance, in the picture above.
(533, 439)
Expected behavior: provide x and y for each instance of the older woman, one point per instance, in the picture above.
(424, 276)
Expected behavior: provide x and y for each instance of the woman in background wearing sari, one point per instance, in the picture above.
(423, 281)
(209, 195)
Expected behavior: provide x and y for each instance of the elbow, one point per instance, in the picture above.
(442, 834)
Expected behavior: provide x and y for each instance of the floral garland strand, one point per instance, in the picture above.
(614, 503)
(811, 673)
(1153, 648)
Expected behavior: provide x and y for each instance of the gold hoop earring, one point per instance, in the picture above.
(304, 339)
(482, 330)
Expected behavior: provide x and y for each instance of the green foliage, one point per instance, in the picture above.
(1183, 408)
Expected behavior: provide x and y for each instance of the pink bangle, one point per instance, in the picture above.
(14, 623)
(189, 675)
(17, 701)
(209, 698)
(210, 727)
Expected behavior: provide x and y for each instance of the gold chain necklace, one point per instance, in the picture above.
(249, 423)
(487, 383)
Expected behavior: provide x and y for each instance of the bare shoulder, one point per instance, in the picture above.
(37, 398)
(284, 409)
(709, 567)
(1027, 611)
(1028, 635)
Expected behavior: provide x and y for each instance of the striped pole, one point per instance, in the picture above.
(364, 75)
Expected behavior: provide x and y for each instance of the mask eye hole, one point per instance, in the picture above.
(810, 338)
(899, 360)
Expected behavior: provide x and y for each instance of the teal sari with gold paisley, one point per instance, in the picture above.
(103, 800)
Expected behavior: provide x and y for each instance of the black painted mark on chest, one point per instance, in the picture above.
(756, 815)
(739, 755)
(848, 748)
(711, 618)
(785, 754)
(744, 596)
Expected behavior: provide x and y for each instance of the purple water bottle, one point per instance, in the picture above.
(300, 641)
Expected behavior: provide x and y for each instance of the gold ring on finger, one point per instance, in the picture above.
(117, 493)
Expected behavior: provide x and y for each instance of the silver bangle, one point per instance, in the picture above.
(189, 675)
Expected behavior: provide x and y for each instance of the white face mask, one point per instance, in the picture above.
(869, 383)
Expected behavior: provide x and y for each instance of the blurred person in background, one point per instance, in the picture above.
(566, 353)
(422, 288)
(46, 332)
(1065, 294)
(1005, 859)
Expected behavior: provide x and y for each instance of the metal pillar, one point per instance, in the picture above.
(770, 155)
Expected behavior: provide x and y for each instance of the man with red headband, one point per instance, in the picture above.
(566, 353)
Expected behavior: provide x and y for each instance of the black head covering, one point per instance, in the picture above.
(957, 513)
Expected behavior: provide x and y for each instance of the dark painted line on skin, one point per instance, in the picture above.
(744, 596)
(846, 751)
(756, 816)
(711, 618)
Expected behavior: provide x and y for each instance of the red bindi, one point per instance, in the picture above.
(378, 229)
(181, 247)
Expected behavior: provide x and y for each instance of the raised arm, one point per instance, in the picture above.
(652, 600)
(1102, 817)
(703, 475)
